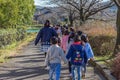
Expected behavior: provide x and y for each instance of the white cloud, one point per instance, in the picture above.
(39, 2)
(43, 3)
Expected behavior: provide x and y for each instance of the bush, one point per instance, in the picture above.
(8, 36)
(16, 12)
(102, 45)
(116, 67)
(102, 36)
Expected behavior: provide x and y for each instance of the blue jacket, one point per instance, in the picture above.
(71, 54)
(89, 51)
(45, 34)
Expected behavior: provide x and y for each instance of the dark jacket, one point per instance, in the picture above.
(73, 57)
(45, 34)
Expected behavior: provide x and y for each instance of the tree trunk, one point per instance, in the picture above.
(71, 14)
(82, 20)
(71, 23)
(71, 19)
(117, 46)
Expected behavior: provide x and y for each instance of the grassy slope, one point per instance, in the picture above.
(12, 49)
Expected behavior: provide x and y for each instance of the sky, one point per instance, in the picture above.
(42, 3)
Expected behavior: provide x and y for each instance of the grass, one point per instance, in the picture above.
(11, 50)
(35, 26)
(105, 57)
(105, 60)
(97, 28)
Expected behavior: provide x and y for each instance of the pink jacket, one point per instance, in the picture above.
(64, 42)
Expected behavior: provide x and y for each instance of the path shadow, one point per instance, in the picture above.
(32, 55)
(24, 73)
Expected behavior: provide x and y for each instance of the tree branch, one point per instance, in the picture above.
(96, 10)
(117, 2)
(84, 3)
(73, 5)
(93, 2)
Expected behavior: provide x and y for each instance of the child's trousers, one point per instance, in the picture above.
(69, 65)
(84, 68)
(78, 70)
(55, 69)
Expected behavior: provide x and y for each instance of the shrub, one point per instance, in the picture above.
(16, 12)
(8, 36)
(102, 36)
(102, 45)
(116, 67)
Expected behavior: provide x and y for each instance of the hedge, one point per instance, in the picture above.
(8, 36)
(102, 45)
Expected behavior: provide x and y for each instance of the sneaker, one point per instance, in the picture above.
(71, 78)
(83, 76)
(45, 54)
(70, 74)
(47, 68)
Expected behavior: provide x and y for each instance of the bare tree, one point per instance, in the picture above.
(117, 46)
(71, 15)
(86, 8)
(67, 9)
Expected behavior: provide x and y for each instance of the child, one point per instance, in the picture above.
(79, 32)
(71, 30)
(44, 35)
(88, 50)
(64, 41)
(77, 57)
(53, 59)
(70, 41)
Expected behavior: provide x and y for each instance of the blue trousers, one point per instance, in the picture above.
(55, 69)
(78, 70)
(84, 68)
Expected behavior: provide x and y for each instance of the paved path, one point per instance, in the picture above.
(29, 66)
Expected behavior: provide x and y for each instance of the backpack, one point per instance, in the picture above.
(78, 56)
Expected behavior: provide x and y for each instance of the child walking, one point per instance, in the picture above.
(77, 57)
(53, 59)
(64, 41)
(70, 42)
(44, 36)
(88, 50)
